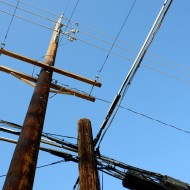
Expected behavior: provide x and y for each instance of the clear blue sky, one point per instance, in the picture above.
(161, 93)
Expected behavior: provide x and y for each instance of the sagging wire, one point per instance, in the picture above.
(42, 166)
(136, 64)
(10, 24)
(45, 11)
(109, 52)
(148, 117)
(121, 107)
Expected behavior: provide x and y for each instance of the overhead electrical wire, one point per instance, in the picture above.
(30, 12)
(102, 33)
(113, 44)
(166, 74)
(2, 122)
(43, 10)
(146, 58)
(86, 42)
(123, 56)
(28, 20)
(119, 106)
(70, 19)
(43, 166)
(119, 32)
(129, 77)
(121, 41)
(10, 124)
(133, 52)
(126, 18)
(113, 117)
(13, 15)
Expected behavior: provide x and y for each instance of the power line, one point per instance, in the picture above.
(121, 41)
(42, 166)
(30, 12)
(133, 52)
(129, 59)
(109, 52)
(102, 33)
(121, 28)
(86, 42)
(147, 117)
(70, 17)
(28, 20)
(51, 164)
(13, 15)
(166, 74)
(106, 50)
(129, 77)
(63, 136)
(45, 11)
(5, 123)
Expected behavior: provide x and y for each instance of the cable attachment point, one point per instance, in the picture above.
(97, 77)
(2, 45)
(74, 31)
(71, 38)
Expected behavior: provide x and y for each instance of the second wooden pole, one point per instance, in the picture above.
(88, 175)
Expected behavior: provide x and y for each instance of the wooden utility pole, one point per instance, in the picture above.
(88, 175)
(23, 165)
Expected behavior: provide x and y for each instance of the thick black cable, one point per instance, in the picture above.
(76, 184)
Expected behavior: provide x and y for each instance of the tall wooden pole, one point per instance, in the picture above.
(88, 175)
(23, 165)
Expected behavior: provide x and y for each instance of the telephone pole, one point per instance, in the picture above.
(23, 165)
(88, 175)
